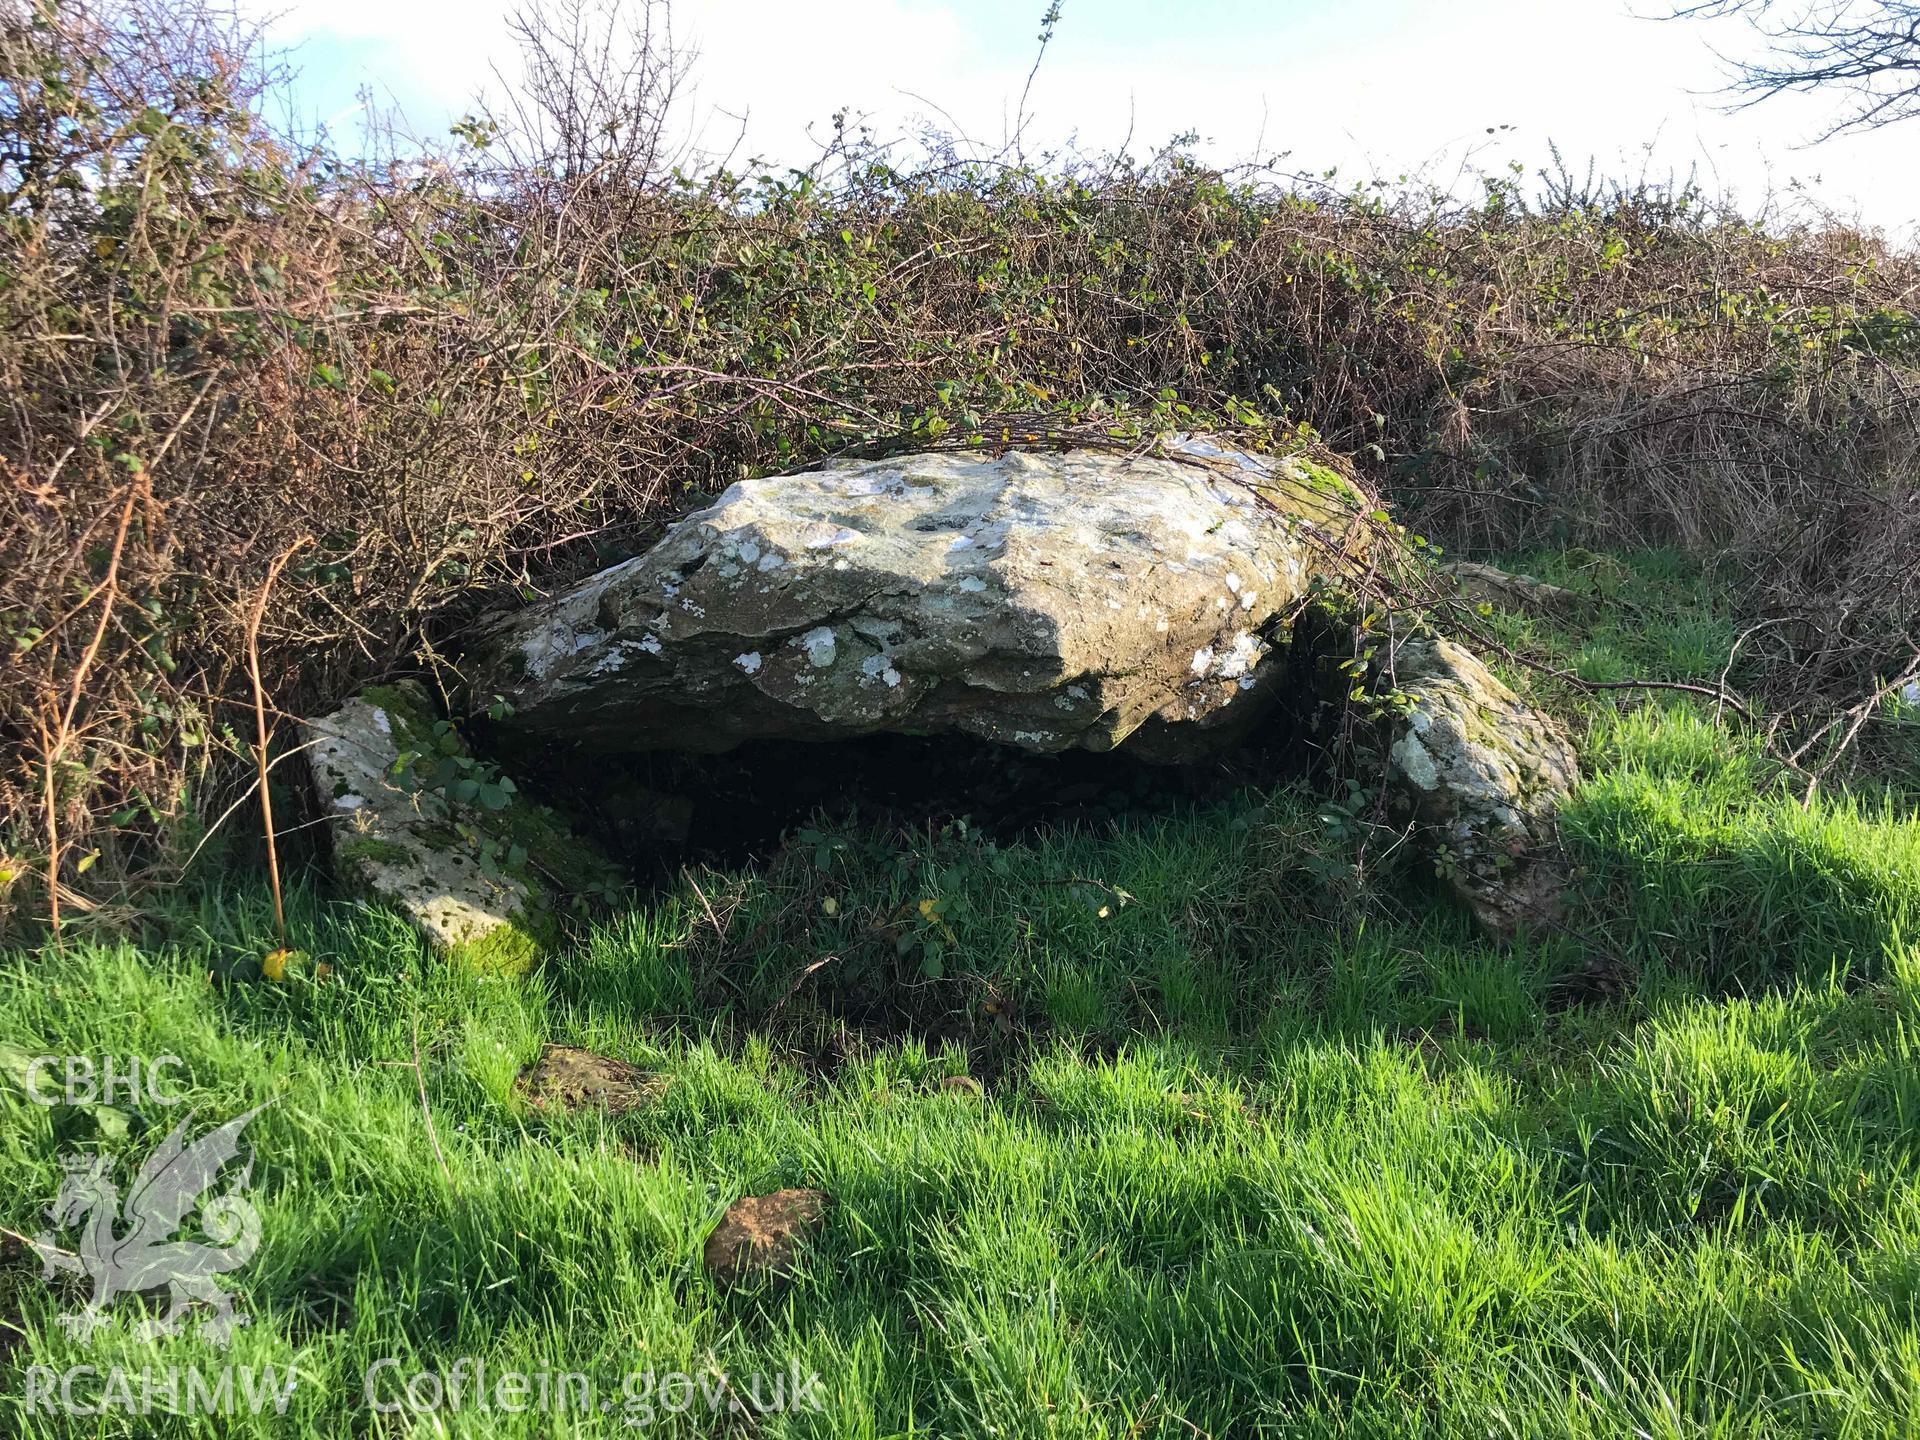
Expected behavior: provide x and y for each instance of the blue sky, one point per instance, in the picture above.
(1387, 87)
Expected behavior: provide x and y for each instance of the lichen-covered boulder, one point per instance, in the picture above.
(470, 870)
(1482, 774)
(1044, 601)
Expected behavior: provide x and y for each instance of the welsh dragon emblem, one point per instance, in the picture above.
(146, 1256)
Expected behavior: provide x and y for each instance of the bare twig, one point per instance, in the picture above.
(260, 727)
(55, 746)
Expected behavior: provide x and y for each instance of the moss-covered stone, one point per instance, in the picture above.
(408, 710)
(1324, 480)
(483, 886)
(559, 863)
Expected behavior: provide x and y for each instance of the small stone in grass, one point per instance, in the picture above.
(762, 1233)
(568, 1078)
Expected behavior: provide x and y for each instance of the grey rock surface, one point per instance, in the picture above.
(1043, 601)
(1483, 775)
(403, 845)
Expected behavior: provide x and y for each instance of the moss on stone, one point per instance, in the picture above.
(511, 949)
(372, 848)
(524, 849)
(409, 712)
(552, 849)
(442, 862)
(1325, 480)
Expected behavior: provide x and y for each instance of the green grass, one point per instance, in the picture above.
(1266, 1147)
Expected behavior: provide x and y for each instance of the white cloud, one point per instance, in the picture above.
(427, 57)
(1381, 86)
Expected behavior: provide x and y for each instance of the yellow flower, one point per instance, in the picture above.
(278, 963)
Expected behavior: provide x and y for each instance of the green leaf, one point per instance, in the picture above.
(14, 1063)
(111, 1122)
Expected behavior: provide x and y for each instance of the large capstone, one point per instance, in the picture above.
(1042, 601)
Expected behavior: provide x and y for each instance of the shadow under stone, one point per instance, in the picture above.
(660, 810)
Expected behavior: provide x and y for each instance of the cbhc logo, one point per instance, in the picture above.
(80, 1080)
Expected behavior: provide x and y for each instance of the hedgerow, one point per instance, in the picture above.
(402, 386)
